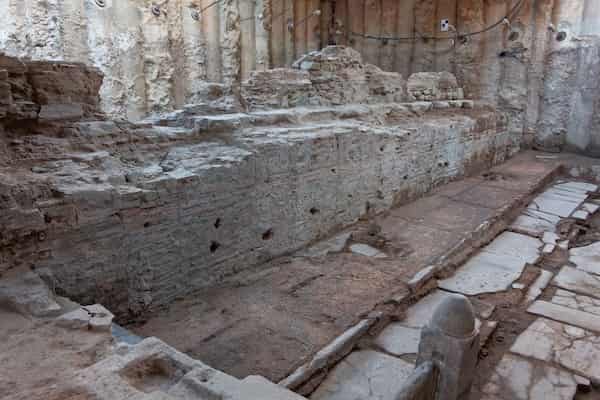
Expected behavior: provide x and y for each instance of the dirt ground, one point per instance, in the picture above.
(39, 359)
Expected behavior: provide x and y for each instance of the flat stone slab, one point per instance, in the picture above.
(485, 273)
(577, 187)
(553, 205)
(579, 281)
(590, 207)
(538, 286)
(496, 267)
(586, 258)
(535, 222)
(367, 251)
(581, 215)
(334, 245)
(516, 378)
(364, 375)
(550, 238)
(515, 245)
(565, 314)
(399, 340)
(577, 301)
(571, 347)
(566, 195)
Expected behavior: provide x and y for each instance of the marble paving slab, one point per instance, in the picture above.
(496, 267)
(516, 378)
(485, 273)
(399, 340)
(571, 347)
(567, 315)
(577, 186)
(577, 301)
(553, 205)
(516, 245)
(364, 375)
(586, 258)
(579, 281)
(535, 222)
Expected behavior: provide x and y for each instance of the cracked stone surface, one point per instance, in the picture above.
(586, 258)
(399, 340)
(365, 375)
(94, 317)
(566, 315)
(535, 222)
(516, 378)
(576, 280)
(496, 267)
(552, 204)
(577, 301)
(571, 347)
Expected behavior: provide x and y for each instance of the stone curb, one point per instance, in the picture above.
(330, 354)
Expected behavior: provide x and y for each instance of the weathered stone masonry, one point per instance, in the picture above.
(136, 215)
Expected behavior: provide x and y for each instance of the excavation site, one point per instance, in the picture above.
(300, 199)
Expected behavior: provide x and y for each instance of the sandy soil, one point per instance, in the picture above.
(38, 359)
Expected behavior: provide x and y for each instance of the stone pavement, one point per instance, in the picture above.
(274, 322)
(554, 356)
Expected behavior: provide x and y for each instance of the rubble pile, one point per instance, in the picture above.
(333, 76)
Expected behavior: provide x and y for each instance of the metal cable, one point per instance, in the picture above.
(508, 16)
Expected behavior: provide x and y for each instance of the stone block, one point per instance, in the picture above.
(60, 112)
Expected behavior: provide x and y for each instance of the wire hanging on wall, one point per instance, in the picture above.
(460, 36)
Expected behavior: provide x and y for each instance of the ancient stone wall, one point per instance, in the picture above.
(156, 56)
(47, 91)
(136, 215)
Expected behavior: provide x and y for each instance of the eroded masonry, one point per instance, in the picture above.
(285, 199)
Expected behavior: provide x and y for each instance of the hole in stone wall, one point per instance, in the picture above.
(314, 211)
(268, 235)
(218, 223)
(561, 36)
(146, 224)
(214, 246)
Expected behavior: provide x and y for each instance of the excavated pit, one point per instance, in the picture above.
(252, 230)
